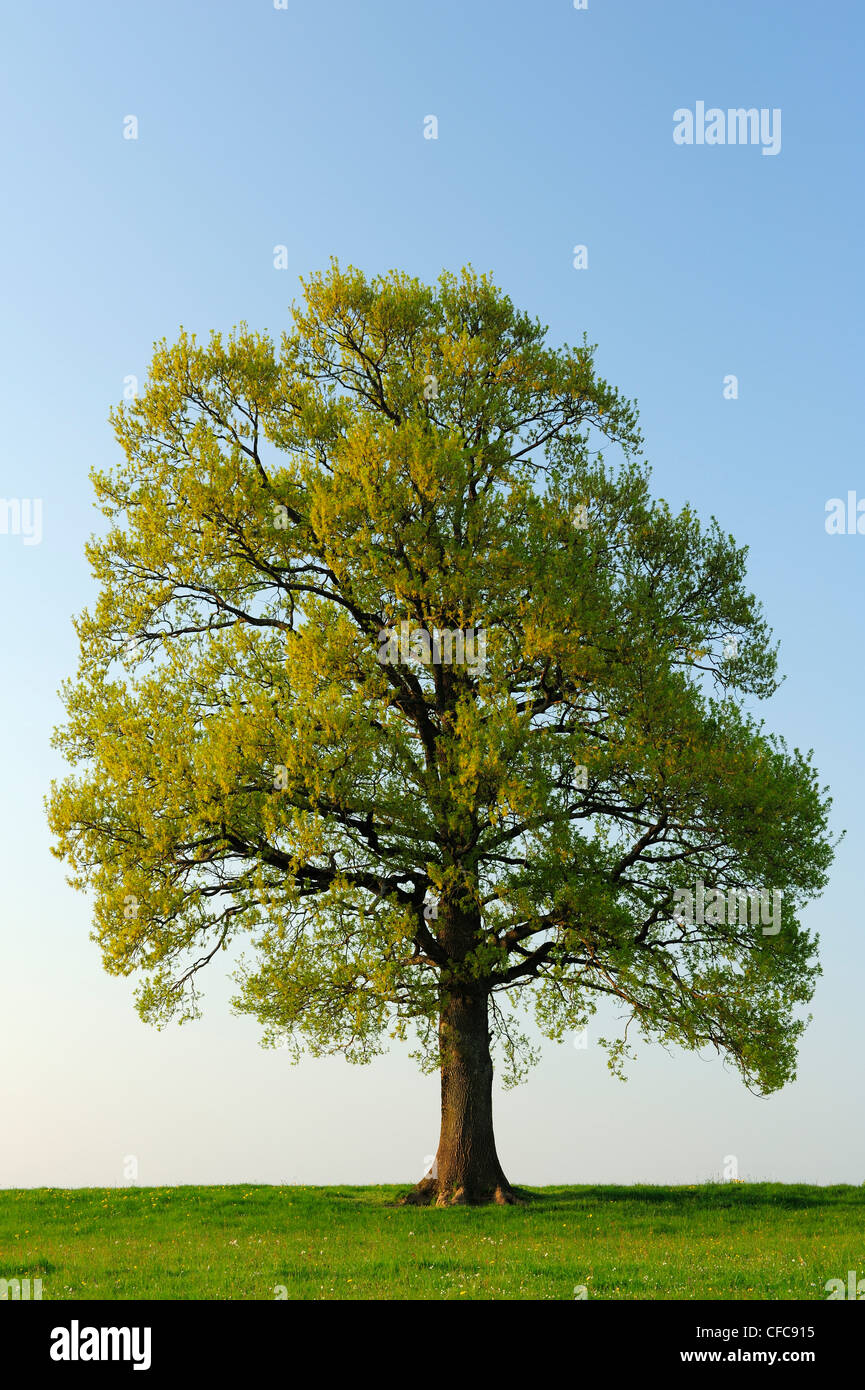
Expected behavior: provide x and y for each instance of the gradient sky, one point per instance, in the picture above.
(303, 127)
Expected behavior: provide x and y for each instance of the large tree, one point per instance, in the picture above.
(280, 738)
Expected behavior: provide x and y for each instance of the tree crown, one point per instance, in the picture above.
(268, 748)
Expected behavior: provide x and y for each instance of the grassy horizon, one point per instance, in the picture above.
(714, 1241)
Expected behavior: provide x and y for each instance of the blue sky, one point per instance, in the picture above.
(303, 127)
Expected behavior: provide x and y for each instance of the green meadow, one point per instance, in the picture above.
(716, 1241)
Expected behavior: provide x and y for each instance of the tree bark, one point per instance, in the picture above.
(468, 1168)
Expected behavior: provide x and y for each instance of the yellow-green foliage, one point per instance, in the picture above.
(248, 769)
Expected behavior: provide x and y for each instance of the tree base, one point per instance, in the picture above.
(430, 1193)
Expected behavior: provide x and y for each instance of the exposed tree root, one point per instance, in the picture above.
(428, 1193)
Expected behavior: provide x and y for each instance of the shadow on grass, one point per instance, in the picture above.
(706, 1196)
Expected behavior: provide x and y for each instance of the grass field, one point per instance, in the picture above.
(740, 1241)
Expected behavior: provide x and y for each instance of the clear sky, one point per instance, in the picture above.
(304, 127)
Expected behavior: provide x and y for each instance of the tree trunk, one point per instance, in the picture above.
(468, 1168)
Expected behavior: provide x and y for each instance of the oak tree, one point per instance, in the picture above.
(397, 677)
